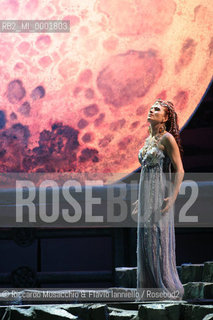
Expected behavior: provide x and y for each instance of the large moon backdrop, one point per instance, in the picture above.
(78, 101)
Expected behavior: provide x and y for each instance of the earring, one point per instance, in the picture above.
(162, 129)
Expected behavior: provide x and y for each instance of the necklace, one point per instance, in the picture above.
(151, 142)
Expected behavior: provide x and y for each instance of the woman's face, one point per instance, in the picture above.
(157, 113)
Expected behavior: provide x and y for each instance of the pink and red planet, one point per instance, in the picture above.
(78, 101)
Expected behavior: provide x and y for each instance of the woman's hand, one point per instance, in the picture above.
(169, 203)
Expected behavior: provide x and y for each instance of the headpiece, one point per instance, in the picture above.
(165, 103)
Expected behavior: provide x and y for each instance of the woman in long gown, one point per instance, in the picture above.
(156, 260)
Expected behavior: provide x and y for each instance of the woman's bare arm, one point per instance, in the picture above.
(173, 152)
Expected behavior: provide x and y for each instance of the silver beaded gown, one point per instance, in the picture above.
(156, 259)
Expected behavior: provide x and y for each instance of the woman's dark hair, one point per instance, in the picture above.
(172, 122)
